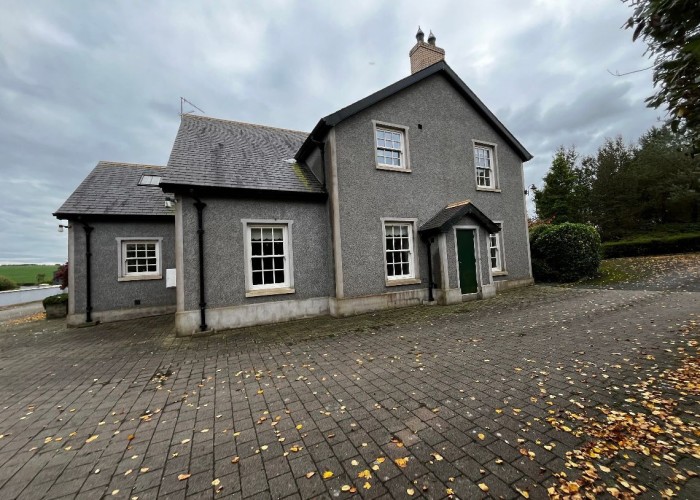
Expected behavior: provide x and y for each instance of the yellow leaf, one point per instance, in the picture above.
(524, 493)
(182, 477)
(345, 487)
(401, 462)
(410, 492)
(481, 436)
(92, 438)
(483, 487)
(299, 427)
(355, 463)
(366, 485)
(604, 468)
(327, 474)
(309, 475)
(437, 456)
(365, 474)
(449, 491)
(215, 482)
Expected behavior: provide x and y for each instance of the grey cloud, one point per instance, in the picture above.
(84, 81)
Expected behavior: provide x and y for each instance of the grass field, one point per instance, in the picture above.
(26, 274)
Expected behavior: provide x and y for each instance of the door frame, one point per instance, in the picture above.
(477, 255)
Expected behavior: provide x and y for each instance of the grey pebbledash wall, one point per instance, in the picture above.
(224, 249)
(442, 171)
(107, 293)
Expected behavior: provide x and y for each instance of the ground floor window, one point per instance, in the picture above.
(496, 252)
(268, 254)
(398, 250)
(139, 258)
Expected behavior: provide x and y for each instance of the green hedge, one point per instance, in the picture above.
(564, 252)
(652, 245)
(61, 298)
(7, 284)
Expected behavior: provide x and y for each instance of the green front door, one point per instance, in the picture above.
(466, 260)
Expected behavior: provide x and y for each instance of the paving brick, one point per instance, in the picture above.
(348, 411)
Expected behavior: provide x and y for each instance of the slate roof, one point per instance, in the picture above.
(211, 152)
(449, 215)
(113, 189)
(326, 123)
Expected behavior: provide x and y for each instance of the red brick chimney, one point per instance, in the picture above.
(425, 54)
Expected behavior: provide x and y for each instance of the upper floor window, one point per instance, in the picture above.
(485, 164)
(391, 147)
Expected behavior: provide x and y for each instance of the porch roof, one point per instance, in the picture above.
(449, 215)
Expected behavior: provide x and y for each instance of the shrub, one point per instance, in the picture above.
(61, 298)
(60, 276)
(652, 245)
(7, 284)
(564, 252)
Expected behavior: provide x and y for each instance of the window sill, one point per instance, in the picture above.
(141, 278)
(269, 291)
(493, 190)
(408, 281)
(393, 169)
(499, 273)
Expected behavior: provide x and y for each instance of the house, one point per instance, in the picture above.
(413, 194)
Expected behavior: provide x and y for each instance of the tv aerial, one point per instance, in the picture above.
(182, 103)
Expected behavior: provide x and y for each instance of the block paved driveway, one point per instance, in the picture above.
(123, 409)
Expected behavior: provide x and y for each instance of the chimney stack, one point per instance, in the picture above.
(425, 54)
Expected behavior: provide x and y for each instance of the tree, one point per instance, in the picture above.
(671, 29)
(556, 199)
(613, 189)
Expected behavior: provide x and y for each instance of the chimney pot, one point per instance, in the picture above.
(420, 35)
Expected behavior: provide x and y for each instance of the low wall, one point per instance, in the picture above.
(25, 295)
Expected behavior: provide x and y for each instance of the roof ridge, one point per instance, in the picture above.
(105, 163)
(205, 117)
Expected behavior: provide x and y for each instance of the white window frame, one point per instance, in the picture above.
(272, 289)
(493, 149)
(413, 277)
(498, 271)
(403, 152)
(123, 274)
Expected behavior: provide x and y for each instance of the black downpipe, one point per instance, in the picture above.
(430, 270)
(199, 205)
(88, 277)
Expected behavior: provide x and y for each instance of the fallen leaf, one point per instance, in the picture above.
(401, 462)
(524, 493)
(483, 487)
(437, 456)
(215, 482)
(92, 438)
(327, 474)
(366, 485)
(309, 475)
(235, 459)
(410, 492)
(481, 436)
(182, 477)
(365, 474)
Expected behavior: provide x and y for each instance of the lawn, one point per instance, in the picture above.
(26, 274)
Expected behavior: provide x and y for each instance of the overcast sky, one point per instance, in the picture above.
(83, 81)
